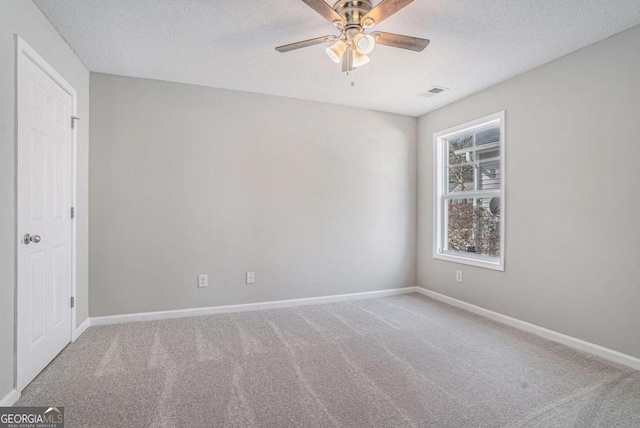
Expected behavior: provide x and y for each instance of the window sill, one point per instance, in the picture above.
(475, 260)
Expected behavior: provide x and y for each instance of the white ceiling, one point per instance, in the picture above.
(230, 44)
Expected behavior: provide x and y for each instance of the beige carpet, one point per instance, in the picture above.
(396, 361)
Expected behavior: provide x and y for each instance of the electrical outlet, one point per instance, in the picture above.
(459, 275)
(251, 277)
(202, 281)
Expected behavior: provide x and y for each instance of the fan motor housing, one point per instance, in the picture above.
(353, 11)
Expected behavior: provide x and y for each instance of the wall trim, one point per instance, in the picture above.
(572, 342)
(193, 312)
(10, 399)
(81, 329)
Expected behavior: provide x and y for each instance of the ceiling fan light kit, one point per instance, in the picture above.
(359, 59)
(364, 43)
(336, 51)
(352, 17)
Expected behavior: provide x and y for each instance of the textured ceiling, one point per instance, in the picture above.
(230, 44)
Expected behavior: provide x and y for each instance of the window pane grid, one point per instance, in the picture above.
(475, 162)
(469, 223)
(472, 194)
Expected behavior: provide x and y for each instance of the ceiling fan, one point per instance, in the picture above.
(352, 17)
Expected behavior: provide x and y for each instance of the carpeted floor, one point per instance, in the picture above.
(396, 361)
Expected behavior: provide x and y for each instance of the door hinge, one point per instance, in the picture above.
(73, 121)
(73, 302)
(73, 212)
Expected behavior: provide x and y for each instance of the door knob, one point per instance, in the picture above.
(28, 238)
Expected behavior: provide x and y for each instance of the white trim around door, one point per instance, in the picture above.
(23, 49)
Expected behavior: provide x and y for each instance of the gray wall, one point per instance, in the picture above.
(24, 19)
(572, 232)
(316, 199)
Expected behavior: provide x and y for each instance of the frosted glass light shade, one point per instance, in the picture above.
(336, 51)
(359, 59)
(364, 43)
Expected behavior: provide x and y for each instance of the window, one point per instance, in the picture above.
(469, 193)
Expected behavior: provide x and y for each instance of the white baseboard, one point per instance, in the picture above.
(182, 313)
(10, 399)
(572, 342)
(81, 329)
(591, 348)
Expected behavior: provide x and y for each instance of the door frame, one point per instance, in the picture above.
(22, 48)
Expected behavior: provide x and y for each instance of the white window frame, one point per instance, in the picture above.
(440, 183)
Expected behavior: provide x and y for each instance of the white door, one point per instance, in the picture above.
(44, 219)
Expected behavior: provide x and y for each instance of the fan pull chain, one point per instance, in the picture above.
(353, 83)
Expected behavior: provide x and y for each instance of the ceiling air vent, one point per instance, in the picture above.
(433, 91)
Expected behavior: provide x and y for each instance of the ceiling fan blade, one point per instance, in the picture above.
(324, 9)
(398, 41)
(305, 43)
(385, 9)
